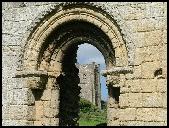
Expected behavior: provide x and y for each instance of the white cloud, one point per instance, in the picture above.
(88, 53)
(99, 60)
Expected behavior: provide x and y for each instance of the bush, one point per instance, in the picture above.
(91, 114)
(87, 106)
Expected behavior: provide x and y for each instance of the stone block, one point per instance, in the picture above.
(146, 114)
(112, 113)
(138, 38)
(20, 83)
(127, 114)
(38, 123)
(150, 53)
(148, 85)
(124, 90)
(129, 76)
(161, 114)
(141, 25)
(17, 123)
(134, 123)
(9, 27)
(55, 66)
(46, 94)
(49, 111)
(112, 103)
(113, 122)
(133, 14)
(11, 40)
(137, 71)
(161, 85)
(39, 110)
(157, 9)
(54, 122)
(144, 25)
(46, 121)
(164, 68)
(122, 80)
(55, 104)
(6, 112)
(55, 95)
(152, 100)
(54, 112)
(162, 52)
(5, 95)
(30, 64)
(141, 54)
(164, 36)
(22, 96)
(148, 69)
(51, 82)
(19, 112)
(119, 62)
(153, 38)
(133, 85)
(143, 123)
(123, 100)
(31, 116)
(135, 100)
(164, 100)
(156, 123)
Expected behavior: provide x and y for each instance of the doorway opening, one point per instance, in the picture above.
(54, 44)
(72, 34)
(93, 93)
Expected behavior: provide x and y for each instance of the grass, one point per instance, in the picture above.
(88, 123)
(90, 115)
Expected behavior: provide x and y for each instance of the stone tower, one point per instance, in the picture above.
(89, 75)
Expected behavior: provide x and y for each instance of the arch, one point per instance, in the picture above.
(49, 57)
(37, 38)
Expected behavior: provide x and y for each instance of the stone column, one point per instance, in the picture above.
(43, 87)
(115, 80)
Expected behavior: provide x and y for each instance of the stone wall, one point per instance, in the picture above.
(89, 75)
(141, 97)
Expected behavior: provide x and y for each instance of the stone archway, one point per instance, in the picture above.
(49, 62)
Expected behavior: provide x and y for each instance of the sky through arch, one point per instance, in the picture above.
(87, 54)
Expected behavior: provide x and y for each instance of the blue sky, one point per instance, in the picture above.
(87, 54)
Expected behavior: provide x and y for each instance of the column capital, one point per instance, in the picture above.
(33, 79)
(117, 70)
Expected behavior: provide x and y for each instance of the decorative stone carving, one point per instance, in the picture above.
(33, 79)
(117, 70)
(113, 75)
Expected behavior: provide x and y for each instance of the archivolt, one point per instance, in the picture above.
(37, 39)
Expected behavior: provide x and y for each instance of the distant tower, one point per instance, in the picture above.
(90, 82)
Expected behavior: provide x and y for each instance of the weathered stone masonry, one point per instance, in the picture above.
(39, 46)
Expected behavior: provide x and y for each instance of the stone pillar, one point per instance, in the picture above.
(43, 87)
(115, 80)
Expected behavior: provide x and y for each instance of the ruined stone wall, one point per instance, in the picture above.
(90, 83)
(143, 94)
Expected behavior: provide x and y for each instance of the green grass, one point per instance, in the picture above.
(88, 123)
(90, 115)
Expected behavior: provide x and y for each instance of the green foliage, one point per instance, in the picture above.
(87, 106)
(91, 115)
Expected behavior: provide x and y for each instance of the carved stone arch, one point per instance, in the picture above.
(41, 57)
(38, 37)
